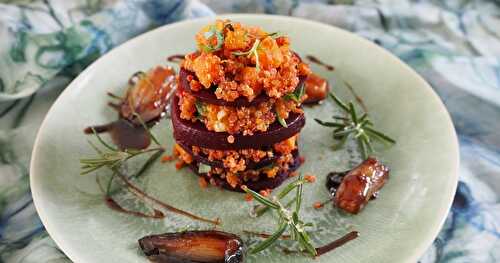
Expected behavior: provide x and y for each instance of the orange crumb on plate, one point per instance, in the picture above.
(265, 192)
(202, 182)
(167, 158)
(248, 197)
(310, 178)
(317, 205)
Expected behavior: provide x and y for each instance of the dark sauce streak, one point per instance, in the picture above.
(124, 134)
(356, 96)
(113, 205)
(97, 128)
(326, 248)
(337, 243)
(114, 106)
(315, 60)
(178, 58)
(142, 195)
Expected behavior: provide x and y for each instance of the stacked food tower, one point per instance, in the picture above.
(237, 111)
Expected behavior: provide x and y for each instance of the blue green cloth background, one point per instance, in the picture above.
(454, 44)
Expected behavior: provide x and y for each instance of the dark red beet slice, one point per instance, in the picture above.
(250, 165)
(208, 95)
(195, 133)
(262, 184)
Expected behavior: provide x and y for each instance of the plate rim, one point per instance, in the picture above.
(72, 254)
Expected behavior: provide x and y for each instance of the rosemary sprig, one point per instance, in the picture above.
(110, 159)
(287, 219)
(113, 158)
(250, 52)
(359, 126)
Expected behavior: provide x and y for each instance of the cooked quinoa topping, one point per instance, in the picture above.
(243, 61)
(235, 161)
(238, 179)
(245, 120)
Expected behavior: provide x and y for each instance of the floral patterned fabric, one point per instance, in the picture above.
(454, 44)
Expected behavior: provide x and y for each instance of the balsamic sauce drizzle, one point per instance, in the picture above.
(356, 96)
(124, 134)
(328, 247)
(337, 243)
(315, 60)
(177, 58)
(113, 205)
(144, 196)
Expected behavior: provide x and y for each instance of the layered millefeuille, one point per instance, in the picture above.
(237, 111)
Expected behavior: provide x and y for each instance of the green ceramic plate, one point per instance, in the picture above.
(397, 227)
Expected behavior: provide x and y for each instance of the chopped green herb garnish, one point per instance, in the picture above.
(200, 108)
(280, 120)
(250, 52)
(209, 34)
(297, 94)
(204, 168)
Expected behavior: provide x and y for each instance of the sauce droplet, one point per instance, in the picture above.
(333, 180)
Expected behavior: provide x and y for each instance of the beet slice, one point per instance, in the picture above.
(208, 95)
(195, 133)
(250, 164)
(262, 184)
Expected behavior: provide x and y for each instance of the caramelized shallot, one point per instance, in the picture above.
(193, 247)
(316, 89)
(360, 184)
(148, 95)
